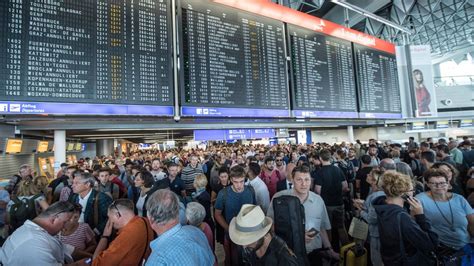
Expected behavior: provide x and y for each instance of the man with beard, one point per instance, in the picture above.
(280, 165)
(190, 172)
(252, 230)
(270, 175)
(372, 152)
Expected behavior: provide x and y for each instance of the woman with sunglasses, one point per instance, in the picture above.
(451, 215)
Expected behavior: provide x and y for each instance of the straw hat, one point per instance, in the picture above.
(249, 226)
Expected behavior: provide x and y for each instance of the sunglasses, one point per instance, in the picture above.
(114, 205)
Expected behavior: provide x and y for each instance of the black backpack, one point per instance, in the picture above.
(348, 169)
(22, 210)
(289, 222)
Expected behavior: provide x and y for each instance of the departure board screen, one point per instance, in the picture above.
(234, 62)
(106, 56)
(379, 93)
(323, 82)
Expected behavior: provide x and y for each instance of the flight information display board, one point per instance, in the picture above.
(105, 56)
(234, 62)
(322, 81)
(233, 134)
(379, 93)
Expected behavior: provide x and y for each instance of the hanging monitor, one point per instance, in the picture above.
(234, 62)
(86, 57)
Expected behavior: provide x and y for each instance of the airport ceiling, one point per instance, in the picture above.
(446, 25)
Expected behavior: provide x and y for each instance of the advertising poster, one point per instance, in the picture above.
(423, 85)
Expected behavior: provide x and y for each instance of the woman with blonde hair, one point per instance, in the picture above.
(367, 212)
(202, 196)
(406, 240)
(28, 203)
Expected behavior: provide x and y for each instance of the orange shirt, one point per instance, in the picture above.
(129, 245)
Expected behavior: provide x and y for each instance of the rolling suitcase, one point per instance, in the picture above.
(289, 222)
(353, 254)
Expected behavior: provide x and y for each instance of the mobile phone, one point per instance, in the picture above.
(88, 261)
(405, 197)
(313, 231)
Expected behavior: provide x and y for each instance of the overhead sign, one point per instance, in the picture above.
(233, 134)
(466, 123)
(42, 146)
(442, 124)
(418, 125)
(14, 146)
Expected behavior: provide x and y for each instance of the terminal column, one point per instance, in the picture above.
(104, 147)
(350, 133)
(59, 149)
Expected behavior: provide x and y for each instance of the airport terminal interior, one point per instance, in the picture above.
(237, 132)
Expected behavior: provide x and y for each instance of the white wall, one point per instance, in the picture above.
(339, 135)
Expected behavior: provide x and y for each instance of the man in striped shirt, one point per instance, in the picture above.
(190, 172)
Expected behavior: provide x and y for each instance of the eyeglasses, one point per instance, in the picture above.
(278, 160)
(440, 184)
(114, 205)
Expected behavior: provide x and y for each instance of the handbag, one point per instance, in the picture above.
(359, 228)
(462, 257)
(419, 258)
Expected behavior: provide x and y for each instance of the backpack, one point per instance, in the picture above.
(348, 169)
(289, 222)
(22, 210)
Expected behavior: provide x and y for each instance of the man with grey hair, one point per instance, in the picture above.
(388, 164)
(455, 152)
(34, 242)
(25, 172)
(176, 244)
(94, 203)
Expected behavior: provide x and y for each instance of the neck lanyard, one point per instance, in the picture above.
(451, 224)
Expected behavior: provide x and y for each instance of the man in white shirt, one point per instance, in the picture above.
(315, 214)
(156, 170)
(262, 196)
(34, 242)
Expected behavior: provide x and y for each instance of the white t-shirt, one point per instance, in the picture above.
(139, 205)
(262, 196)
(83, 202)
(32, 245)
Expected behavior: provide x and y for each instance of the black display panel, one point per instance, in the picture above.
(86, 51)
(323, 83)
(377, 78)
(231, 60)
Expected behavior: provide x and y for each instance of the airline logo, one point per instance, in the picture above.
(15, 108)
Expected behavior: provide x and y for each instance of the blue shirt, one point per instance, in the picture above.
(181, 245)
(5, 197)
(233, 201)
(457, 238)
(177, 186)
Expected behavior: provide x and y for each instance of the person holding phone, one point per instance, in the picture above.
(407, 239)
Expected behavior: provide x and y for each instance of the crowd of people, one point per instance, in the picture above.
(173, 207)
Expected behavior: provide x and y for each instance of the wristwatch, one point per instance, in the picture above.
(106, 237)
